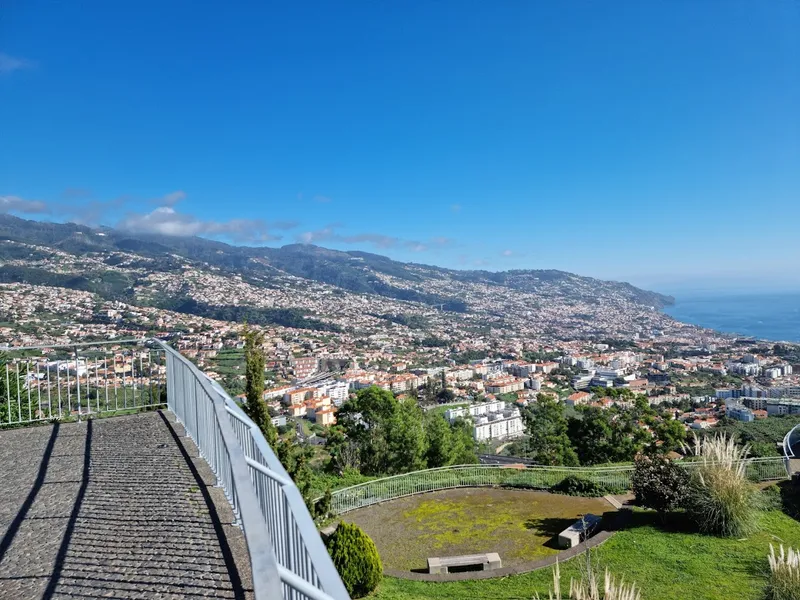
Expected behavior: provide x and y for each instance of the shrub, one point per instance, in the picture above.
(356, 558)
(721, 500)
(323, 505)
(784, 576)
(771, 498)
(572, 485)
(660, 483)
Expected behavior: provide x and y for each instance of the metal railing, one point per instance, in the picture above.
(513, 476)
(88, 379)
(790, 442)
(287, 556)
(442, 478)
(767, 468)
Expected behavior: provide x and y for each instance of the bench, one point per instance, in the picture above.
(572, 535)
(472, 562)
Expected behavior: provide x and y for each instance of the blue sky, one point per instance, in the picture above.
(657, 142)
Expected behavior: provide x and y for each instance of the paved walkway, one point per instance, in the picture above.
(114, 508)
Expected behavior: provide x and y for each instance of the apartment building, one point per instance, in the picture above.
(783, 406)
(491, 420)
(740, 413)
(304, 366)
(505, 385)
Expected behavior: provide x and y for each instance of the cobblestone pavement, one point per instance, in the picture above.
(114, 508)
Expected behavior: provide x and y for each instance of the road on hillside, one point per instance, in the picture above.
(497, 459)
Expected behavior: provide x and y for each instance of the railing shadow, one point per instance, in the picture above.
(73, 518)
(13, 528)
(227, 554)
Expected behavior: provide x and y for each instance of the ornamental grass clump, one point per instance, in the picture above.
(588, 588)
(721, 500)
(784, 576)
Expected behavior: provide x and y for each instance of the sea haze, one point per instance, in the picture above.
(765, 316)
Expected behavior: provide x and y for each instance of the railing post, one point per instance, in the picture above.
(77, 382)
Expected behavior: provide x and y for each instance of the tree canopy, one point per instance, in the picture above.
(381, 435)
(548, 442)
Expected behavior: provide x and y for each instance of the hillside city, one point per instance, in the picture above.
(589, 347)
(400, 300)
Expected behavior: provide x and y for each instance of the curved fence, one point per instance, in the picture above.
(512, 476)
(287, 556)
(430, 480)
(791, 443)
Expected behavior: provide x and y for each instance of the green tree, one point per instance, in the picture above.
(365, 419)
(548, 442)
(439, 440)
(602, 436)
(295, 458)
(671, 434)
(343, 451)
(406, 438)
(254, 407)
(465, 448)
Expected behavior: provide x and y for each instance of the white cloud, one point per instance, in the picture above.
(20, 205)
(323, 199)
(507, 252)
(9, 64)
(172, 198)
(166, 220)
(76, 193)
(378, 240)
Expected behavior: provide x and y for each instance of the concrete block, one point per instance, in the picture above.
(493, 562)
(435, 566)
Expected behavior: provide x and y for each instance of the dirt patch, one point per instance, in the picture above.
(520, 525)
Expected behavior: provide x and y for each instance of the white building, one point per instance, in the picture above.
(747, 369)
(608, 373)
(492, 420)
(338, 391)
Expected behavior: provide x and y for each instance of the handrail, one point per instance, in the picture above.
(475, 475)
(576, 470)
(788, 446)
(519, 476)
(94, 378)
(238, 487)
(287, 556)
(263, 461)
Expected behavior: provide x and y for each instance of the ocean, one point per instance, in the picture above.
(769, 316)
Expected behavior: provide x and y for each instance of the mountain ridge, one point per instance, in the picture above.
(355, 271)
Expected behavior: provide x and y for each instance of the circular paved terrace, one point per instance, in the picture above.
(520, 525)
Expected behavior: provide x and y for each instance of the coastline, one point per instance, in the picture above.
(771, 317)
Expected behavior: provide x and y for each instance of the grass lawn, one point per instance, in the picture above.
(519, 525)
(440, 410)
(665, 565)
